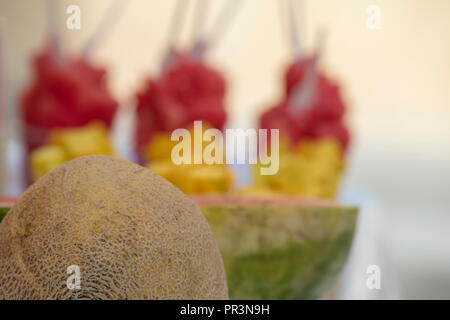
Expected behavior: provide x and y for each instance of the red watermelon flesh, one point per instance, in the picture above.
(65, 94)
(276, 118)
(188, 90)
(191, 79)
(333, 129)
(323, 117)
(295, 73)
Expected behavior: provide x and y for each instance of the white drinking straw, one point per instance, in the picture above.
(305, 91)
(3, 113)
(179, 15)
(283, 16)
(223, 22)
(297, 48)
(200, 17)
(109, 19)
(292, 20)
(55, 41)
(2, 74)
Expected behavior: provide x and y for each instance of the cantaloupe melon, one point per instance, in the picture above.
(278, 247)
(132, 234)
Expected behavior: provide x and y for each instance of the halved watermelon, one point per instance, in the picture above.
(280, 248)
(5, 204)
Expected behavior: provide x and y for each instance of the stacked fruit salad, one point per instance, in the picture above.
(66, 112)
(313, 132)
(67, 109)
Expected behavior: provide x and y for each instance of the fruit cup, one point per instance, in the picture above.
(64, 93)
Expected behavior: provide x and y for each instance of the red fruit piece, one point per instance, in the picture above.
(335, 130)
(170, 113)
(67, 93)
(276, 118)
(295, 73)
(188, 90)
(147, 121)
(210, 110)
(322, 118)
(188, 80)
(328, 104)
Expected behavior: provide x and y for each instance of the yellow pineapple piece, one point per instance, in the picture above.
(88, 140)
(160, 147)
(210, 179)
(311, 169)
(163, 168)
(190, 178)
(195, 179)
(45, 159)
(325, 151)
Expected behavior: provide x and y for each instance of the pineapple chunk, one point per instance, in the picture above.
(84, 141)
(45, 159)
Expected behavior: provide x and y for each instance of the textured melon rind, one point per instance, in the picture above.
(132, 234)
(281, 252)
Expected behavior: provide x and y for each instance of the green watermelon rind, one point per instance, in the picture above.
(3, 212)
(281, 252)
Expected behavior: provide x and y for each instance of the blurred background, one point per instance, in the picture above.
(395, 81)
